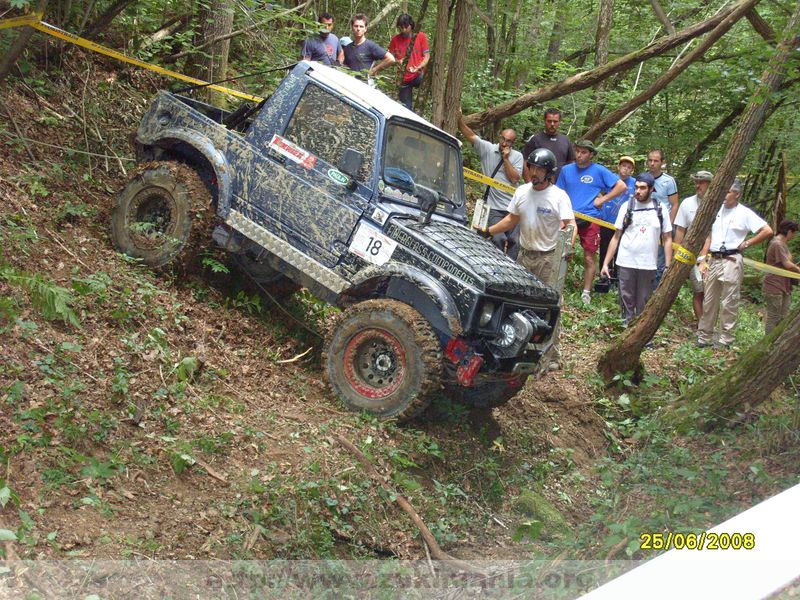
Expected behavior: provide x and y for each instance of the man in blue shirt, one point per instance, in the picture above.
(589, 185)
(666, 192)
(363, 54)
(325, 48)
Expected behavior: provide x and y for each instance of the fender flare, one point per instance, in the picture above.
(402, 281)
(205, 147)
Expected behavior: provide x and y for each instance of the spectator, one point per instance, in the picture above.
(610, 210)
(540, 210)
(640, 225)
(722, 269)
(498, 161)
(549, 138)
(685, 217)
(666, 192)
(584, 182)
(363, 54)
(326, 47)
(777, 288)
(410, 48)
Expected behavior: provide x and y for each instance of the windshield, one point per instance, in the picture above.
(429, 161)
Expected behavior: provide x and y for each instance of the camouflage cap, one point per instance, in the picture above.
(588, 144)
(702, 176)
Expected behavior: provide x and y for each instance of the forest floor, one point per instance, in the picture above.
(150, 416)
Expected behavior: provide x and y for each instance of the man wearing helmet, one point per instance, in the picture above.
(540, 209)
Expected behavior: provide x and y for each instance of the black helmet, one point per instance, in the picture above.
(542, 157)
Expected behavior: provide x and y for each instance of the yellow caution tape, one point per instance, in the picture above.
(36, 22)
(770, 269)
(481, 178)
(683, 255)
(600, 222)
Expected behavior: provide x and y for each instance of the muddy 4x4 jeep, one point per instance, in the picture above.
(331, 185)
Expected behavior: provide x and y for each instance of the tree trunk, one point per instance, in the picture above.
(601, 39)
(781, 192)
(438, 71)
(586, 79)
(104, 21)
(530, 39)
(491, 34)
(746, 384)
(761, 26)
(663, 18)
(456, 68)
(216, 21)
(668, 76)
(624, 354)
(18, 46)
(554, 46)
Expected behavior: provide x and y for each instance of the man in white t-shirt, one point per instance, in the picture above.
(685, 217)
(641, 223)
(541, 210)
(723, 269)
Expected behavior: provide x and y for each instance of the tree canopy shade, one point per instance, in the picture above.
(624, 353)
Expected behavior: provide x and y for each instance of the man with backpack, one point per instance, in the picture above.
(640, 224)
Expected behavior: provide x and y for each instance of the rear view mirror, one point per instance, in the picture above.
(350, 163)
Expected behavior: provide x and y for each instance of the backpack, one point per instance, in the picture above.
(626, 221)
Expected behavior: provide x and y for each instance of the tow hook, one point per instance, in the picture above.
(469, 363)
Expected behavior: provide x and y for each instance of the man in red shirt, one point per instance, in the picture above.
(411, 60)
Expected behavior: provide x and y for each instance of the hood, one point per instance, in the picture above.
(467, 256)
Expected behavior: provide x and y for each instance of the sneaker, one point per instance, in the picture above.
(703, 344)
(586, 297)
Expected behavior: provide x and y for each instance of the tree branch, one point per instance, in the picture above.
(761, 26)
(663, 18)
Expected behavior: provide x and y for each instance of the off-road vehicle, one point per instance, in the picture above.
(331, 185)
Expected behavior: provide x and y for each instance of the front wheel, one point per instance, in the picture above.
(162, 214)
(383, 357)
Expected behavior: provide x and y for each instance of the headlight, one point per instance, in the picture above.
(486, 314)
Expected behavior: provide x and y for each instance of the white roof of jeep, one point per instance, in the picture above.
(362, 94)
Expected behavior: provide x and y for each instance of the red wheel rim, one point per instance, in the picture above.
(374, 363)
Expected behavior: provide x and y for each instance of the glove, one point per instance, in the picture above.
(484, 232)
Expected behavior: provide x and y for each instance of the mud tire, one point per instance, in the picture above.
(163, 215)
(249, 274)
(382, 356)
(486, 395)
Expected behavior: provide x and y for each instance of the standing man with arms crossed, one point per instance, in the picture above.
(540, 210)
(666, 192)
(411, 51)
(363, 54)
(723, 268)
(326, 47)
(549, 138)
(685, 217)
(584, 182)
(498, 161)
(641, 223)
(778, 289)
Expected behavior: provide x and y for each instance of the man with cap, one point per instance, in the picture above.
(501, 162)
(589, 186)
(540, 210)
(640, 225)
(549, 138)
(684, 218)
(610, 210)
(723, 266)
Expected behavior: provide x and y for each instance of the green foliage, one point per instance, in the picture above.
(53, 301)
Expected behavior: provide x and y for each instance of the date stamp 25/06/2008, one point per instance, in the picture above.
(706, 540)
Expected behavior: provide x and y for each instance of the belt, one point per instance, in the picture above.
(724, 254)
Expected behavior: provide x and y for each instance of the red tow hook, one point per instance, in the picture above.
(469, 363)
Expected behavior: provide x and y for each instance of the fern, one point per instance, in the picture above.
(53, 301)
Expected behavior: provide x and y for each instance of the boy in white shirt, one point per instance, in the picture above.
(640, 224)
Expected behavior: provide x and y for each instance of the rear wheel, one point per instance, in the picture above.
(163, 215)
(383, 357)
(486, 395)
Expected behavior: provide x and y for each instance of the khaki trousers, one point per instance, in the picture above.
(723, 281)
(544, 266)
(777, 309)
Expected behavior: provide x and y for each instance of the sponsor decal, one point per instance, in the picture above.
(380, 216)
(432, 257)
(292, 151)
(337, 177)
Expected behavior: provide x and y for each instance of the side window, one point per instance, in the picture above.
(326, 126)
